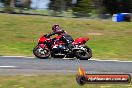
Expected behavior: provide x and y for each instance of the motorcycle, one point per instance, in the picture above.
(56, 48)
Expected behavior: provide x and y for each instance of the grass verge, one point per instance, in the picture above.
(51, 81)
(19, 35)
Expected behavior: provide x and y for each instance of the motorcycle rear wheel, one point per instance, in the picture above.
(88, 54)
(42, 53)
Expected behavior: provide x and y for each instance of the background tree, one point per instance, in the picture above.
(82, 7)
(97, 6)
(8, 4)
(59, 5)
(118, 6)
(22, 4)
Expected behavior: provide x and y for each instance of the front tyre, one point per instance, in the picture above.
(42, 53)
(84, 54)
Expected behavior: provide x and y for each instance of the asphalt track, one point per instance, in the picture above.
(34, 66)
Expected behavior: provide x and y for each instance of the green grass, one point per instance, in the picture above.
(51, 81)
(19, 35)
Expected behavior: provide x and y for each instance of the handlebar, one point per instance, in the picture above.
(46, 36)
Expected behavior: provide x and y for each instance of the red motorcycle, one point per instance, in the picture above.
(56, 48)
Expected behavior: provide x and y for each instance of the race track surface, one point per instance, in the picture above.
(34, 66)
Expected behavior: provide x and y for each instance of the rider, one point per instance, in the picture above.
(65, 37)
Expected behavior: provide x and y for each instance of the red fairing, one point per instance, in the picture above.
(80, 41)
(43, 39)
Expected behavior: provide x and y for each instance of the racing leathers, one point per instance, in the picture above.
(64, 37)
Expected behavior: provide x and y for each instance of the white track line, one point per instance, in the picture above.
(65, 58)
(8, 66)
(109, 60)
(18, 56)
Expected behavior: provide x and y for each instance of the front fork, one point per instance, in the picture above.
(43, 48)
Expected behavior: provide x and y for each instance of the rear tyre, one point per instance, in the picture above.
(84, 55)
(42, 53)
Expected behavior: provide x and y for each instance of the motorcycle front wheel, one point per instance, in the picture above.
(42, 53)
